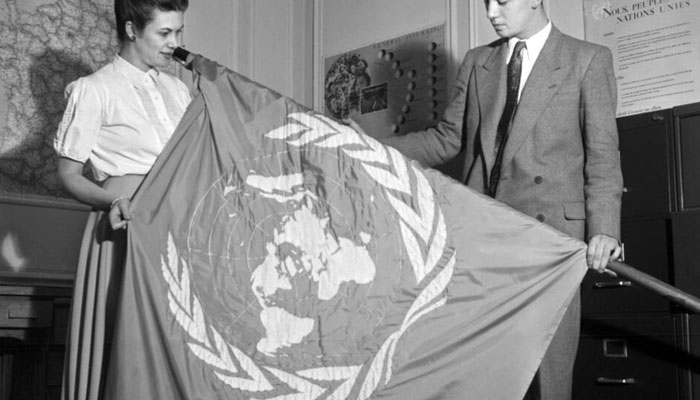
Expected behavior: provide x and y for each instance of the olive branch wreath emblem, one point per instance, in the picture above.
(423, 231)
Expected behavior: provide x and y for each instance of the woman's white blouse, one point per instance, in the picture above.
(120, 118)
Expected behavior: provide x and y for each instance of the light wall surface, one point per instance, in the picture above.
(268, 41)
(281, 43)
(567, 15)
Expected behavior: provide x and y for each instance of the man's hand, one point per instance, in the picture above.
(354, 125)
(601, 250)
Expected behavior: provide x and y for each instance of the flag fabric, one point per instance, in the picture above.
(277, 254)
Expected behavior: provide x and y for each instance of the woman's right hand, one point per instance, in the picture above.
(113, 197)
(120, 213)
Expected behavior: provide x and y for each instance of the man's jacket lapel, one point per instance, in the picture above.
(491, 89)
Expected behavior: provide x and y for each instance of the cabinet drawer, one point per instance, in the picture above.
(686, 251)
(629, 358)
(646, 151)
(688, 163)
(25, 312)
(605, 294)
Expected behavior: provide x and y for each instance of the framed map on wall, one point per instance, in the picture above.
(44, 45)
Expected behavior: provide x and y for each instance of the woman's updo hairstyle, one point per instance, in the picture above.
(140, 12)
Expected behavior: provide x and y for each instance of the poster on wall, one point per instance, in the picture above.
(390, 87)
(656, 50)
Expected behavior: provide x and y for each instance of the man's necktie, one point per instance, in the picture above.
(514, 67)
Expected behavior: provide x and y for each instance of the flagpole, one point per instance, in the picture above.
(690, 302)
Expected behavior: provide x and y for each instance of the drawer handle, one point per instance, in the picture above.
(615, 381)
(612, 285)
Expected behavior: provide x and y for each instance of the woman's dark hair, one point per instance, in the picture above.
(140, 12)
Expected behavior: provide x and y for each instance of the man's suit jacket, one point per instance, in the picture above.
(561, 162)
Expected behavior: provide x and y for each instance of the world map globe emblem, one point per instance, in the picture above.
(292, 263)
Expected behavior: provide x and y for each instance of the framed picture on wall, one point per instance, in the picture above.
(343, 30)
(392, 86)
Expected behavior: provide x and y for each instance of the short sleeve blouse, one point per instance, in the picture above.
(120, 118)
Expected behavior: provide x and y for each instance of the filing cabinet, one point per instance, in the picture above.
(635, 344)
(693, 347)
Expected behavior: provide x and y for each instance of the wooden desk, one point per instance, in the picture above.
(33, 326)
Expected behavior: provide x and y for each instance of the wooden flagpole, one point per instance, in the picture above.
(690, 302)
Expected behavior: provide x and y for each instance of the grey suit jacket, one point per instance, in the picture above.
(561, 162)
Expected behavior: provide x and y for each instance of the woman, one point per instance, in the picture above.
(118, 120)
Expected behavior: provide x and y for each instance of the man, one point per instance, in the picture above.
(558, 142)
